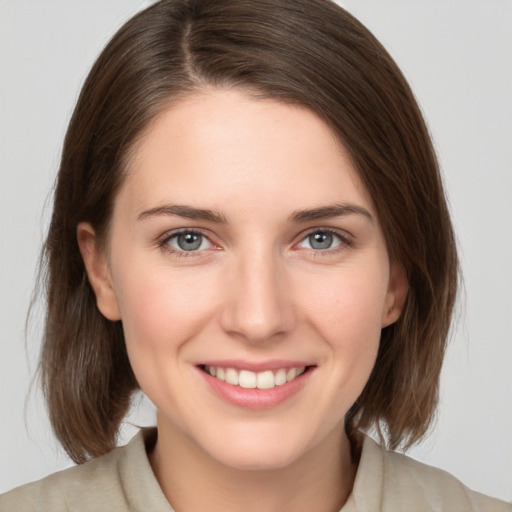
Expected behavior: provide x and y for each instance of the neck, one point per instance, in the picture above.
(321, 479)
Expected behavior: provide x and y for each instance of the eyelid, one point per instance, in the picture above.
(343, 234)
(162, 241)
(347, 240)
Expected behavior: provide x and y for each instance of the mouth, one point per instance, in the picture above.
(267, 379)
(256, 386)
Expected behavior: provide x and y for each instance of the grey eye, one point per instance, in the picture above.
(189, 241)
(321, 241)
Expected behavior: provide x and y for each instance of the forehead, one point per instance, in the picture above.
(219, 145)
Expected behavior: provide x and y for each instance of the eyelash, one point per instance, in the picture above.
(345, 242)
(163, 242)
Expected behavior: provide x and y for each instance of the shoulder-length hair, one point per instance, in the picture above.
(307, 52)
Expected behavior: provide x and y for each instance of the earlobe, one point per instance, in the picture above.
(397, 293)
(98, 272)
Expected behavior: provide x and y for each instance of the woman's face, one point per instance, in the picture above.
(243, 245)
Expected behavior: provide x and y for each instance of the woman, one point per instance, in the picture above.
(254, 232)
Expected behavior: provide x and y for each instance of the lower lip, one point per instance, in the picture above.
(256, 398)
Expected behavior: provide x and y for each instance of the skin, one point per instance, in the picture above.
(256, 290)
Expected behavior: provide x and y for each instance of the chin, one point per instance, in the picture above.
(257, 460)
(257, 451)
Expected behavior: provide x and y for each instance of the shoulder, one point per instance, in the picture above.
(58, 491)
(112, 482)
(406, 484)
(435, 487)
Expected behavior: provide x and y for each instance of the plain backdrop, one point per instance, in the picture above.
(457, 55)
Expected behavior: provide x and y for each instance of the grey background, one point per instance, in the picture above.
(456, 54)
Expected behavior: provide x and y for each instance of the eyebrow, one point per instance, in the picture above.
(327, 212)
(187, 212)
(297, 217)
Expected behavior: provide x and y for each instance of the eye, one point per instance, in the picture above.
(321, 240)
(188, 241)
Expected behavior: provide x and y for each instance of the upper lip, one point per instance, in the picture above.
(255, 366)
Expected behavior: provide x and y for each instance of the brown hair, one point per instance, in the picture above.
(309, 52)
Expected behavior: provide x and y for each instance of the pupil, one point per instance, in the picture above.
(320, 240)
(189, 241)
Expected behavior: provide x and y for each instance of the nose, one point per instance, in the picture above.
(257, 307)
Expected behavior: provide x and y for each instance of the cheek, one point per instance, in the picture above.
(162, 308)
(347, 312)
(161, 311)
(351, 299)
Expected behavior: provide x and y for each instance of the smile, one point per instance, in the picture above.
(255, 380)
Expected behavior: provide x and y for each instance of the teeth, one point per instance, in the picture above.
(231, 377)
(251, 380)
(265, 380)
(280, 377)
(247, 379)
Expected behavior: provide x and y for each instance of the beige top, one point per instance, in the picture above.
(123, 480)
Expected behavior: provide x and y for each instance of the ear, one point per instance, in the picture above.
(98, 271)
(396, 294)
